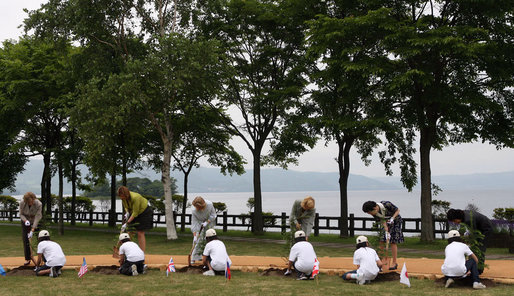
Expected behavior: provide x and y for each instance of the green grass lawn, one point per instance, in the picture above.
(156, 283)
(94, 240)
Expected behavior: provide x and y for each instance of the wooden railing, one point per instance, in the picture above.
(226, 221)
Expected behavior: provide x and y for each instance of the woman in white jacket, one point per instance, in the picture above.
(203, 218)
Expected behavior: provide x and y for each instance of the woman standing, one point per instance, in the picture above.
(387, 213)
(138, 212)
(302, 216)
(30, 215)
(203, 218)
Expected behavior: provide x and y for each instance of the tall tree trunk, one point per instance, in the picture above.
(73, 190)
(184, 204)
(171, 231)
(257, 222)
(427, 228)
(343, 161)
(112, 211)
(46, 184)
(61, 207)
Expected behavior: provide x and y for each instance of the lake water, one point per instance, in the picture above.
(327, 202)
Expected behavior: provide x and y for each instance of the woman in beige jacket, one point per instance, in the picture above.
(30, 214)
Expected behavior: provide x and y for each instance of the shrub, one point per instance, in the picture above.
(504, 214)
(220, 207)
(82, 204)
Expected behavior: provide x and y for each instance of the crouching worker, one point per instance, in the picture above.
(51, 254)
(132, 258)
(215, 255)
(302, 257)
(455, 264)
(367, 261)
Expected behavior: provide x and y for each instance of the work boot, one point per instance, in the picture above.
(477, 285)
(209, 273)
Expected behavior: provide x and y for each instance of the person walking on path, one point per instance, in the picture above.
(215, 255)
(138, 213)
(51, 254)
(302, 257)
(475, 221)
(30, 215)
(203, 217)
(455, 264)
(389, 215)
(367, 261)
(302, 216)
(132, 257)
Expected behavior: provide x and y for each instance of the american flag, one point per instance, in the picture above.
(315, 269)
(227, 271)
(171, 266)
(83, 268)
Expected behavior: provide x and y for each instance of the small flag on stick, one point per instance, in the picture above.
(171, 267)
(404, 276)
(228, 275)
(83, 268)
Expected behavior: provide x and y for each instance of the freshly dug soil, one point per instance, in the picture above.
(465, 283)
(191, 269)
(387, 277)
(275, 272)
(110, 270)
(22, 271)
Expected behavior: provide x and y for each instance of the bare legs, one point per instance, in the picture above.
(141, 240)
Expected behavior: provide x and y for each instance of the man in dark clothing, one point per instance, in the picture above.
(476, 221)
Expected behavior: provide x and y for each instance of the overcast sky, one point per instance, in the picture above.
(459, 159)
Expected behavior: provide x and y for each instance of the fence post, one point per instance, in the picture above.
(225, 221)
(316, 225)
(352, 225)
(11, 215)
(175, 218)
(90, 217)
(56, 216)
(284, 223)
(433, 226)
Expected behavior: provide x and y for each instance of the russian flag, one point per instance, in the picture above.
(227, 271)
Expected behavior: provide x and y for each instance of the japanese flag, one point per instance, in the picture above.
(404, 277)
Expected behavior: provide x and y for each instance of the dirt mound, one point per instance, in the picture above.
(191, 269)
(274, 272)
(387, 277)
(466, 282)
(110, 270)
(22, 271)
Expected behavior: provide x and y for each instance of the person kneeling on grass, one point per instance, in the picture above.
(367, 261)
(132, 258)
(51, 254)
(215, 255)
(455, 264)
(302, 257)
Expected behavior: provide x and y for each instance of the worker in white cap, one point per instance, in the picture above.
(132, 257)
(367, 261)
(215, 256)
(455, 264)
(51, 254)
(302, 257)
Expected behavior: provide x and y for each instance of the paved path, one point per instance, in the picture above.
(499, 270)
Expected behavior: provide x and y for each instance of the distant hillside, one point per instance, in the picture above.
(278, 180)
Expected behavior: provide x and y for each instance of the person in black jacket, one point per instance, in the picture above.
(476, 221)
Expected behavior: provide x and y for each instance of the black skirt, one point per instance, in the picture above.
(145, 220)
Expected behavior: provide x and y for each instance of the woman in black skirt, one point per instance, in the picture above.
(387, 213)
(138, 212)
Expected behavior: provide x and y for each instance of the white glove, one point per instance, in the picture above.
(29, 235)
(195, 239)
(204, 224)
(35, 268)
(27, 223)
(288, 272)
(126, 216)
(123, 227)
(388, 236)
(391, 221)
(467, 233)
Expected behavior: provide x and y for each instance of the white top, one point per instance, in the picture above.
(52, 252)
(216, 249)
(367, 259)
(132, 252)
(198, 217)
(303, 255)
(455, 260)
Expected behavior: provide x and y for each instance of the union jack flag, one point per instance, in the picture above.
(315, 269)
(171, 267)
(83, 268)
(227, 271)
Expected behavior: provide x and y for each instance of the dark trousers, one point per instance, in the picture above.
(126, 267)
(26, 243)
(471, 266)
